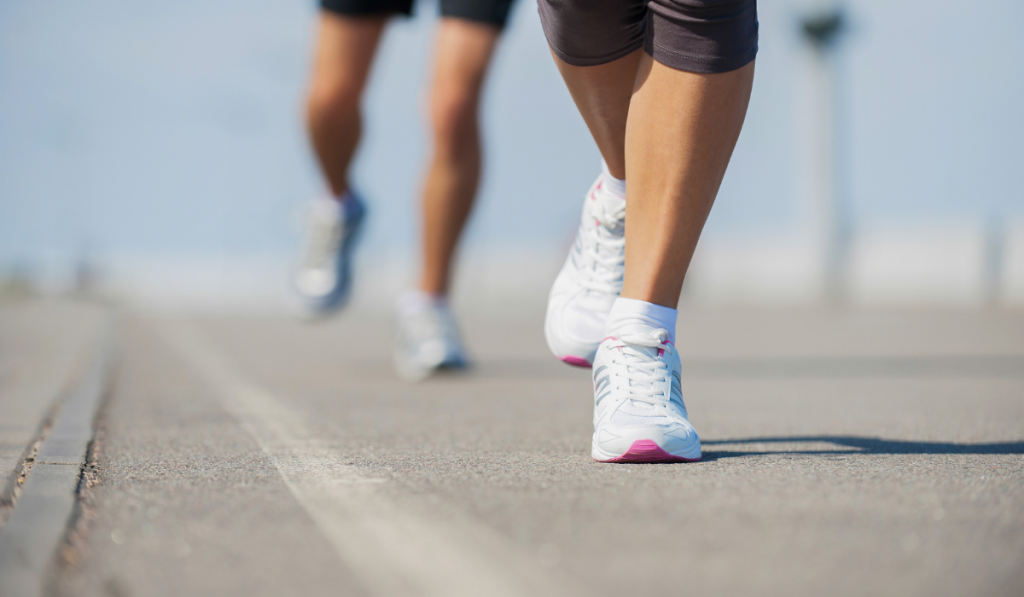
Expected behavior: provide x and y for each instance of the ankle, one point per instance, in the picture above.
(627, 312)
(432, 285)
(417, 300)
(610, 184)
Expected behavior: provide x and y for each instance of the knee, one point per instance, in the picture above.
(333, 103)
(453, 115)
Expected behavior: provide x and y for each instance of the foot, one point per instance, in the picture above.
(323, 278)
(639, 415)
(590, 280)
(427, 338)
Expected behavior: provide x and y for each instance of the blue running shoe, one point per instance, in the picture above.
(427, 337)
(323, 278)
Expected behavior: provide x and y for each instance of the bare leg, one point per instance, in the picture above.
(344, 52)
(680, 131)
(680, 135)
(464, 51)
(602, 94)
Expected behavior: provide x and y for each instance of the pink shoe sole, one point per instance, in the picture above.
(576, 362)
(647, 451)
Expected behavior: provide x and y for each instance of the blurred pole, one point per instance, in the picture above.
(995, 234)
(822, 28)
(83, 281)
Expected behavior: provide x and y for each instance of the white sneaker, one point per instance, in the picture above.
(323, 278)
(590, 280)
(427, 337)
(639, 415)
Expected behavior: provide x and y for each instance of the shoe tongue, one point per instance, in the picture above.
(646, 351)
(640, 352)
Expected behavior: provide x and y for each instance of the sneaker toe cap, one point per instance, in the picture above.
(676, 439)
(572, 330)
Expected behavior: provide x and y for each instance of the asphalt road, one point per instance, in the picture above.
(845, 453)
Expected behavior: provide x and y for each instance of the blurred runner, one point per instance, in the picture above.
(349, 33)
(663, 86)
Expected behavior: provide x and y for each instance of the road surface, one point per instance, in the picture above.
(845, 453)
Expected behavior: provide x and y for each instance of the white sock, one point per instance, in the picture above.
(416, 301)
(628, 312)
(613, 185)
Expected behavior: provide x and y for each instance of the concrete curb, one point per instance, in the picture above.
(36, 527)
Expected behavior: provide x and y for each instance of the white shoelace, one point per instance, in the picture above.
(645, 372)
(603, 254)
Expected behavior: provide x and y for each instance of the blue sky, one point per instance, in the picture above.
(175, 130)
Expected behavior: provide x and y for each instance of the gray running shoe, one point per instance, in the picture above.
(323, 278)
(426, 339)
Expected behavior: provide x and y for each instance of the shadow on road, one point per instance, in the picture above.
(848, 444)
(1000, 366)
(992, 366)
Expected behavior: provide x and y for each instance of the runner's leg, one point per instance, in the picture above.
(677, 141)
(349, 32)
(427, 337)
(602, 94)
(463, 53)
(688, 99)
(344, 52)
(681, 131)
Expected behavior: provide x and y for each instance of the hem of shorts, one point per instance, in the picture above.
(480, 20)
(356, 14)
(708, 65)
(576, 61)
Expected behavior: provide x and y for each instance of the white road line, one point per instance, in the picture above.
(393, 545)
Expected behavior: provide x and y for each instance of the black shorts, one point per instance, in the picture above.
(703, 36)
(490, 12)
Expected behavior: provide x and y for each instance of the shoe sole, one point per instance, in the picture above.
(645, 451)
(408, 371)
(576, 362)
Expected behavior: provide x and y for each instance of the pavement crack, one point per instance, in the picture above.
(84, 512)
